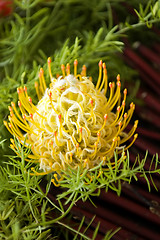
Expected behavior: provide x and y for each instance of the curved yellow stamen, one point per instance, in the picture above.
(42, 81)
(100, 74)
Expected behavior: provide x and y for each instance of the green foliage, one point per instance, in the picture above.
(27, 212)
(64, 30)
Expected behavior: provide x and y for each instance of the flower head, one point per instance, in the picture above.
(73, 123)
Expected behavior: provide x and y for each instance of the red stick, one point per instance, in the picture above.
(142, 65)
(129, 205)
(150, 100)
(148, 115)
(121, 220)
(149, 54)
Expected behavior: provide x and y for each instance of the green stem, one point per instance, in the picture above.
(60, 217)
(73, 230)
(136, 25)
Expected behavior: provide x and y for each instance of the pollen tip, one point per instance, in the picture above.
(12, 104)
(110, 84)
(125, 115)
(18, 90)
(55, 133)
(91, 101)
(75, 62)
(31, 116)
(41, 71)
(118, 108)
(30, 99)
(100, 63)
(50, 94)
(19, 104)
(84, 68)
(136, 123)
(136, 135)
(120, 123)
(25, 88)
(24, 116)
(98, 134)
(125, 91)
(62, 67)
(36, 84)
(104, 66)
(80, 129)
(49, 60)
(118, 77)
(131, 105)
(119, 84)
(10, 109)
(114, 139)
(68, 66)
(105, 116)
(5, 123)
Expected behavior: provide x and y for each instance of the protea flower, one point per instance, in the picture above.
(73, 124)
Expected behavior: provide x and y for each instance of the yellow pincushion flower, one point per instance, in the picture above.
(73, 123)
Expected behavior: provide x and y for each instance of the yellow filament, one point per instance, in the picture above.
(25, 103)
(115, 98)
(16, 131)
(80, 135)
(42, 81)
(63, 70)
(16, 112)
(134, 139)
(39, 173)
(106, 81)
(130, 113)
(8, 128)
(68, 69)
(112, 147)
(116, 120)
(111, 94)
(131, 132)
(37, 90)
(30, 119)
(21, 125)
(75, 67)
(104, 78)
(49, 68)
(105, 119)
(56, 140)
(83, 73)
(100, 75)
(79, 76)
